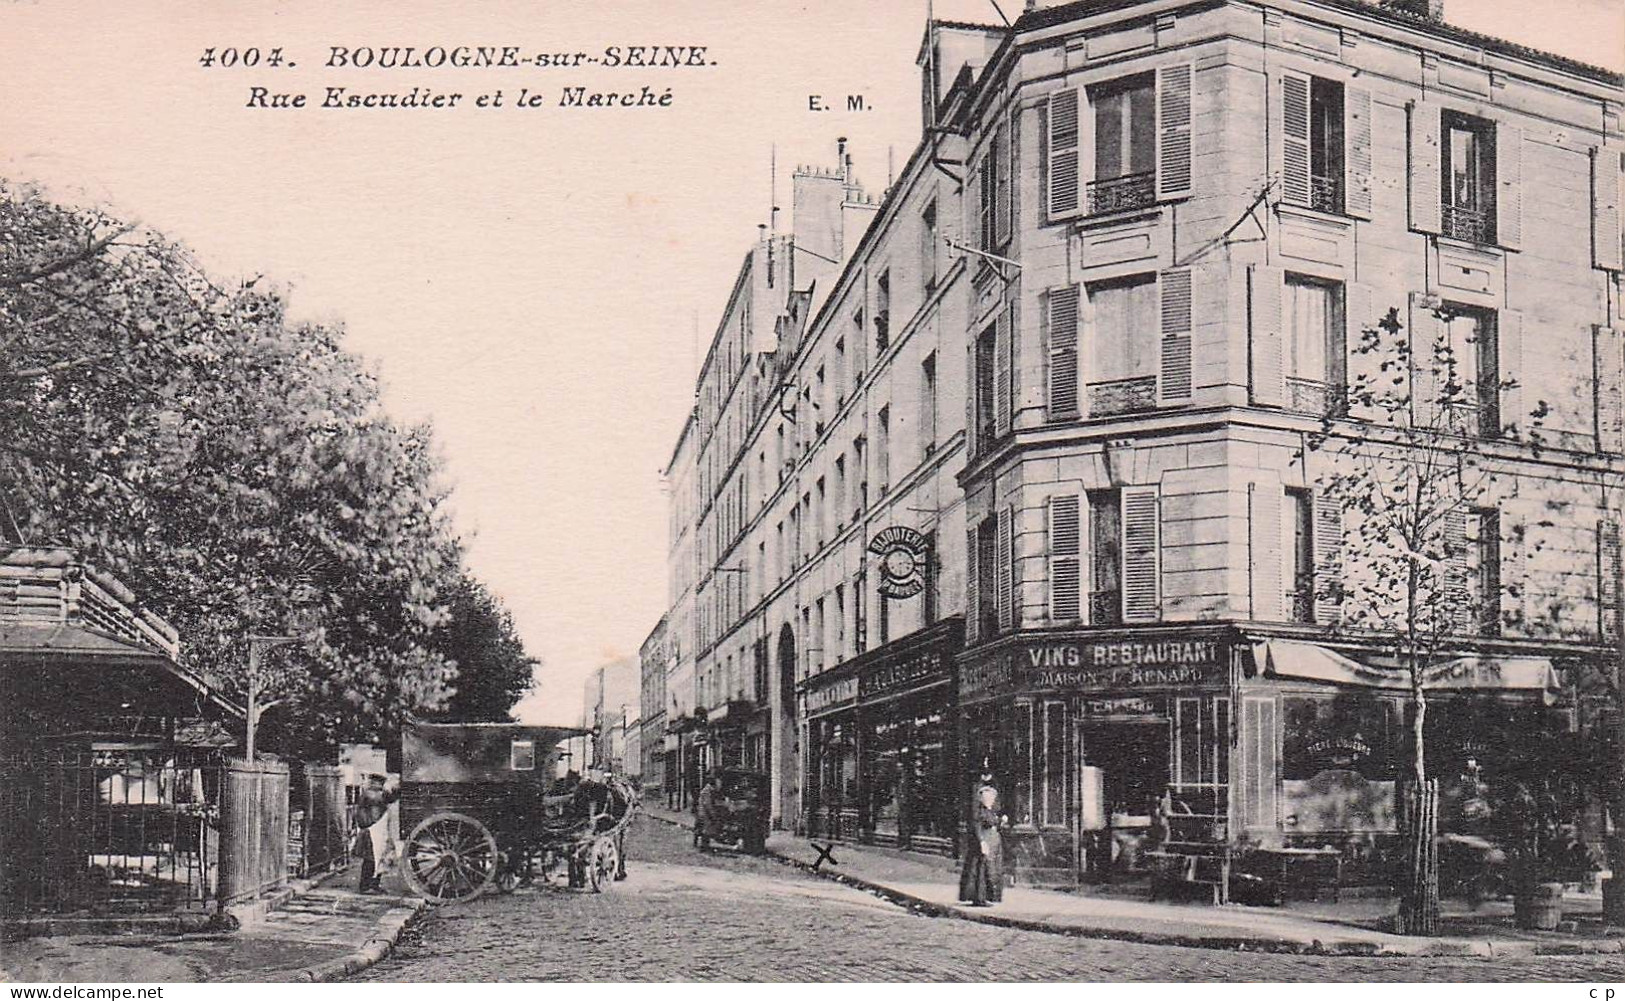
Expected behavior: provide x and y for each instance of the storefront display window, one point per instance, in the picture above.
(1338, 762)
(1054, 765)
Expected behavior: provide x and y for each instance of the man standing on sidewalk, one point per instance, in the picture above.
(370, 810)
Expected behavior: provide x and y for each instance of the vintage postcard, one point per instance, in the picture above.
(945, 490)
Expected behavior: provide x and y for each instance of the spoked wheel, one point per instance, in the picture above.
(601, 865)
(450, 857)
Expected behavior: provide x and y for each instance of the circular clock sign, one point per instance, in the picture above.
(902, 553)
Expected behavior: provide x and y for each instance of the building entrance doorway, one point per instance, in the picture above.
(1125, 772)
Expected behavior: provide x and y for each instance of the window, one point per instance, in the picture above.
(987, 577)
(1021, 798)
(1484, 578)
(1468, 157)
(840, 623)
(986, 349)
(818, 513)
(1123, 349)
(821, 635)
(1469, 380)
(522, 756)
(840, 372)
(931, 597)
(928, 246)
(883, 311)
(883, 448)
(993, 194)
(883, 619)
(928, 403)
(1055, 766)
(1106, 552)
(1312, 142)
(1315, 344)
(1125, 144)
(840, 492)
(1301, 583)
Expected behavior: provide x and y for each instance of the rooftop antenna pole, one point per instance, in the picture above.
(773, 190)
(996, 7)
(891, 175)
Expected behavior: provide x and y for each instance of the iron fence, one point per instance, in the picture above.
(1117, 194)
(109, 831)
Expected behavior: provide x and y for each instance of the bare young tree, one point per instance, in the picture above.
(1410, 480)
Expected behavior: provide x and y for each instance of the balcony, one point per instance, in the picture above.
(1106, 608)
(1123, 396)
(1312, 396)
(1120, 194)
(1473, 225)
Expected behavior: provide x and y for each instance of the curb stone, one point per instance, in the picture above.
(1356, 947)
(372, 952)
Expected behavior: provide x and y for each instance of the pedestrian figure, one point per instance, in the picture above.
(370, 809)
(981, 881)
(706, 806)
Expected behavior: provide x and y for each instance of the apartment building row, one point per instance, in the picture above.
(1049, 476)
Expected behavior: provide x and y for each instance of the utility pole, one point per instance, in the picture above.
(256, 682)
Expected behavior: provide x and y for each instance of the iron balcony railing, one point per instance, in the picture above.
(1326, 194)
(1106, 608)
(1470, 224)
(1116, 194)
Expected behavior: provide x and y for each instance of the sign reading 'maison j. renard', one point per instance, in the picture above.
(1102, 666)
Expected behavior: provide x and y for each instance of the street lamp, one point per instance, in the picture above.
(257, 644)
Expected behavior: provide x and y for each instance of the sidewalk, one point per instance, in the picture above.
(1352, 927)
(320, 930)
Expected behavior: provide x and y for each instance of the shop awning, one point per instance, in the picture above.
(1290, 659)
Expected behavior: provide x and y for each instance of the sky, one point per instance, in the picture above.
(538, 282)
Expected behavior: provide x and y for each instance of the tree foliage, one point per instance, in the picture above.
(234, 467)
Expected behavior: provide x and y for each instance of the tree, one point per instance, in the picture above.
(493, 670)
(1408, 480)
(236, 469)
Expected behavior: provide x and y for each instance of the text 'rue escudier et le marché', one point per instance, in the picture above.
(348, 96)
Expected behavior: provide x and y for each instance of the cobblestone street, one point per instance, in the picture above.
(681, 915)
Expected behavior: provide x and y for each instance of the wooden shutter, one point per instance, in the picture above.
(999, 157)
(1425, 167)
(1363, 366)
(1012, 175)
(1265, 551)
(1061, 338)
(1065, 558)
(1001, 373)
(1174, 131)
(1295, 182)
(1266, 308)
(1142, 557)
(1610, 382)
(1607, 169)
(1357, 151)
(973, 584)
(1063, 151)
(1457, 567)
(1608, 580)
(1004, 566)
(1513, 402)
(1258, 765)
(1426, 329)
(972, 445)
(1328, 551)
(1174, 365)
(1508, 185)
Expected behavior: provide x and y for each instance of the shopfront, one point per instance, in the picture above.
(1087, 739)
(880, 743)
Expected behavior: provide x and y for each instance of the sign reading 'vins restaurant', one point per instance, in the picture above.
(1121, 665)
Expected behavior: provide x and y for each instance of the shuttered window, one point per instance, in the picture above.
(1608, 580)
(1003, 371)
(1061, 337)
(1425, 167)
(1174, 362)
(973, 581)
(1458, 565)
(1508, 205)
(1357, 161)
(1065, 558)
(1610, 381)
(1142, 557)
(1006, 567)
(1062, 154)
(1295, 185)
(1328, 558)
(1265, 556)
(1607, 192)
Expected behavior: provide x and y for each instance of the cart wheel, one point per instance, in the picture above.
(601, 866)
(509, 870)
(450, 857)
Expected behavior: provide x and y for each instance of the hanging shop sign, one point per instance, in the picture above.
(902, 553)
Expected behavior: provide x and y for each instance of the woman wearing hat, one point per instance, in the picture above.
(981, 881)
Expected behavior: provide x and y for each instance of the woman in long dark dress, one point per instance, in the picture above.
(981, 881)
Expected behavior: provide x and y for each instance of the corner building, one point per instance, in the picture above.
(1199, 207)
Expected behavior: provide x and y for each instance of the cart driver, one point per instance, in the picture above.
(370, 809)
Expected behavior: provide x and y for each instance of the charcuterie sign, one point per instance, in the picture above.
(902, 552)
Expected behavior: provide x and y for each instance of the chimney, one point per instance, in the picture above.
(1427, 10)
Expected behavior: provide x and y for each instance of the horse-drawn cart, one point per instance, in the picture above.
(484, 807)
